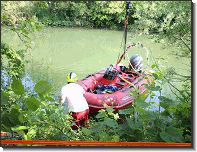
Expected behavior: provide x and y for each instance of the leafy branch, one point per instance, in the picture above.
(45, 122)
(183, 42)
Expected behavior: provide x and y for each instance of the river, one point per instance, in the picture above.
(58, 51)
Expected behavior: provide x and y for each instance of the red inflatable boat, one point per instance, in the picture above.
(118, 99)
(111, 85)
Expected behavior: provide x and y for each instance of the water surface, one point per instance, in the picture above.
(58, 51)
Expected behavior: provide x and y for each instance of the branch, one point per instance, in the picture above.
(171, 83)
(183, 42)
(176, 89)
(54, 126)
(173, 91)
(20, 37)
(184, 76)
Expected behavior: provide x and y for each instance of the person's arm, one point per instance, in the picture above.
(83, 92)
(62, 99)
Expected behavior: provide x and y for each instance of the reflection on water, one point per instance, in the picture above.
(28, 83)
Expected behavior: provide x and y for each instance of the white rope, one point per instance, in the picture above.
(130, 63)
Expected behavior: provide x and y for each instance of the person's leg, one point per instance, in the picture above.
(83, 118)
(74, 120)
(87, 122)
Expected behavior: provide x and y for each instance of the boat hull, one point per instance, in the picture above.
(117, 100)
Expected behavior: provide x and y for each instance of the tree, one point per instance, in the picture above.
(168, 23)
(171, 20)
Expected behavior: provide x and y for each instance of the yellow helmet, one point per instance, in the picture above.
(72, 77)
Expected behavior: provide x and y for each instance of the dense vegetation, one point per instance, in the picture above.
(36, 118)
(107, 14)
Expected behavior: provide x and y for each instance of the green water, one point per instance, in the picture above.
(58, 51)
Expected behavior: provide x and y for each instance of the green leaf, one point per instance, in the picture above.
(6, 121)
(31, 132)
(42, 87)
(172, 135)
(125, 111)
(145, 117)
(28, 26)
(158, 123)
(86, 131)
(110, 110)
(13, 29)
(16, 117)
(49, 98)
(17, 87)
(138, 133)
(17, 106)
(38, 27)
(41, 96)
(23, 23)
(141, 103)
(104, 136)
(152, 88)
(97, 127)
(100, 115)
(155, 75)
(27, 137)
(21, 128)
(21, 118)
(110, 122)
(163, 69)
(139, 109)
(4, 98)
(154, 65)
(165, 102)
(18, 131)
(116, 138)
(32, 104)
(134, 125)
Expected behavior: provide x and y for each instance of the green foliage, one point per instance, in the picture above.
(172, 135)
(170, 20)
(42, 87)
(15, 65)
(107, 14)
(37, 118)
(12, 12)
(17, 87)
(33, 111)
(32, 104)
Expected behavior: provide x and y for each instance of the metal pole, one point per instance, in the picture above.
(128, 6)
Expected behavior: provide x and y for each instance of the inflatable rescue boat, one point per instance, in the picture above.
(111, 85)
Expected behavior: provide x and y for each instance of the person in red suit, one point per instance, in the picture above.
(77, 104)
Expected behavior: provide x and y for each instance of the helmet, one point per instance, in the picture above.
(72, 77)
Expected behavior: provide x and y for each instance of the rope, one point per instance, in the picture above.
(130, 63)
(121, 46)
(127, 82)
